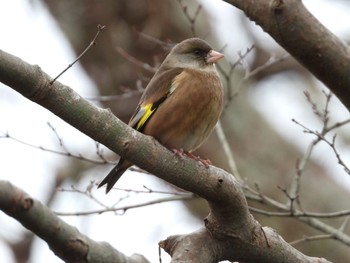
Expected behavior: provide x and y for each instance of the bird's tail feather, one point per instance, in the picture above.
(115, 174)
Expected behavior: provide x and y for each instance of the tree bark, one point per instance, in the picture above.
(234, 233)
(64, 240)
(305, 38)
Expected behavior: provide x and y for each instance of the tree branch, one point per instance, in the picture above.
(234, 233)
(64, 240)
(305, 38)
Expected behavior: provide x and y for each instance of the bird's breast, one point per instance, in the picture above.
(187, 117)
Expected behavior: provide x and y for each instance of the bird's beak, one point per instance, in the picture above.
(214, 56)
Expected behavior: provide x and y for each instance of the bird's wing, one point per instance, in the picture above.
(162, 85)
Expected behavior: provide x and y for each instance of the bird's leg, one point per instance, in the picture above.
(205, 162)
(181, 153)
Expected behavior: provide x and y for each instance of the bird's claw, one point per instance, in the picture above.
(181, 153)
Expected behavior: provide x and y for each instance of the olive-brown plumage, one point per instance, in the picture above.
(181, 104)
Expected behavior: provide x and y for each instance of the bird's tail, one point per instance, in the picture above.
(115, 174)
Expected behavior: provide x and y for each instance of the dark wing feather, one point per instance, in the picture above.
(156, 92)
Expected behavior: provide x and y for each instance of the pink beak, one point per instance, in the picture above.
(214, 56)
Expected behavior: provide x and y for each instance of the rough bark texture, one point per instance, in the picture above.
(234, 234)
(249, 133)
(230, 233)
(305, 38)
(64, 240)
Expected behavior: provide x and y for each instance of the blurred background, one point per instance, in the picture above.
(264, 92)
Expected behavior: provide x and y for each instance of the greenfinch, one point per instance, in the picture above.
(181, 104)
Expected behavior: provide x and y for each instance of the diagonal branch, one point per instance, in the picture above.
(229, 224)
(305, 38)
(64, 240)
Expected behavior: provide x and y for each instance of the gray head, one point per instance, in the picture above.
(193, 53)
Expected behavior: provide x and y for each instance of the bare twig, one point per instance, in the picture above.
(93, 42)
(296, 213)
(149, 190)
(60, 141)
(175, 196)
(165, 45)
(228, 75)
(300, 167)
(271, 61)
(291, 199)
(136, 191)
(311, 238)
(248, 73)
(123, 209)
(125, 95)
(136, 61)
(191, 18)
(63, 239)
(337, 155)
(321, 137)
(345, 224)
(99, 152)
(78, 156)
(87, 192)
(227, 149)
(338, 125)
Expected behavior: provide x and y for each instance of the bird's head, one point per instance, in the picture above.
(193, 53)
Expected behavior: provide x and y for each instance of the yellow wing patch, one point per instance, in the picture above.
(146, 113)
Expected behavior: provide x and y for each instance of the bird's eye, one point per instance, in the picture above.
(198, 52)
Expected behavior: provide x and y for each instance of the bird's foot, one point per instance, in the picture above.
(181, 153)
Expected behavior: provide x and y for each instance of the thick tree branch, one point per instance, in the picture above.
(64, 240)
(206, 248)
(234, 234)
(305, 38)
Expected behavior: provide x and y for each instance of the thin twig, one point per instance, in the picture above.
(123, 209)
(294, 188)
(344, 225)
(135, 61)
(321, 137)
(125, 95)
(165, 45)
(337, 155)
(78, 156)
(99, 152)
(311, 238)
(291, 199)
(338, 125)
(88, 192)
(311, 220)
(59, 139)
(227, 149)
(93, 42)
(146, 191)
(191, 19)
(271, 61)
(296, 213)
(228, 75)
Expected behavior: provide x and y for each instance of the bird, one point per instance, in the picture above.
(181, 104)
